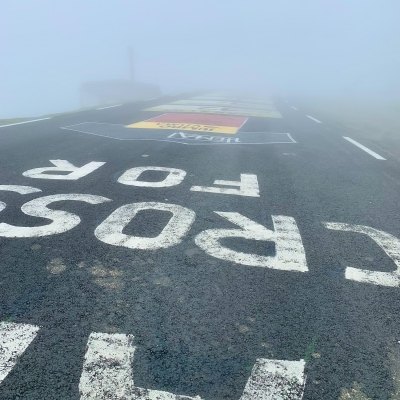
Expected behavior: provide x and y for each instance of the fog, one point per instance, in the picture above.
(309, 47)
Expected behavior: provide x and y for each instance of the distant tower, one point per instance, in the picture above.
(131, 64)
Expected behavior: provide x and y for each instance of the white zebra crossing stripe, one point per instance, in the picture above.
(275, 380)
(14, 339)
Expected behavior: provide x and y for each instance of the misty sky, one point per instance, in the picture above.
(49, 47)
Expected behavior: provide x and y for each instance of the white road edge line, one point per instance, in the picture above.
(294, 108)
(314, 119)
(14, 339)
(103, 108)
(366, 149)
(25, 122)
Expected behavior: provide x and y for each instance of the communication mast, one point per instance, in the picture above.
(131, 64)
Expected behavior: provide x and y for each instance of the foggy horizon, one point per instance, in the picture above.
(331, 48)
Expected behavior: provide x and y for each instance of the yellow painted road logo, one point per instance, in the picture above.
(193, 122)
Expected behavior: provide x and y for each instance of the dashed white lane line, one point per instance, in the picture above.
(314, 119)
(153, 98)
(294, 108)
(366, 149)
(14, 339)
(103, 108)
(25, 122)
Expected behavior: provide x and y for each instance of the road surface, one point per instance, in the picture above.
(216, 245)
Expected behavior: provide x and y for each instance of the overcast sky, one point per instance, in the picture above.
(49, 47)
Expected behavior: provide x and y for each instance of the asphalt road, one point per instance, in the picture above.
(200, 317)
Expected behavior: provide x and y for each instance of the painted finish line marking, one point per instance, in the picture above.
(314, 119)
(25, 122)
(107, 369)
(120, 132)
(103, 108)
(366, 149)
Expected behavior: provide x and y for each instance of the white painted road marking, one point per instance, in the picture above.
(275, 380)
(63, 166)
(234, 99)
(206, 138)
(294, 108)
(103, 108)
(130, 177)
(248, 186)
(19, 189)
(119, 132)
(314, 119)
(25, 122)
(290, 254)
(110, 230)
(14, 339)
(62, 221)
(107, 374)
(221, 103)
(246, 112)
(366, 149)
(387, 242)
(107, 371)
